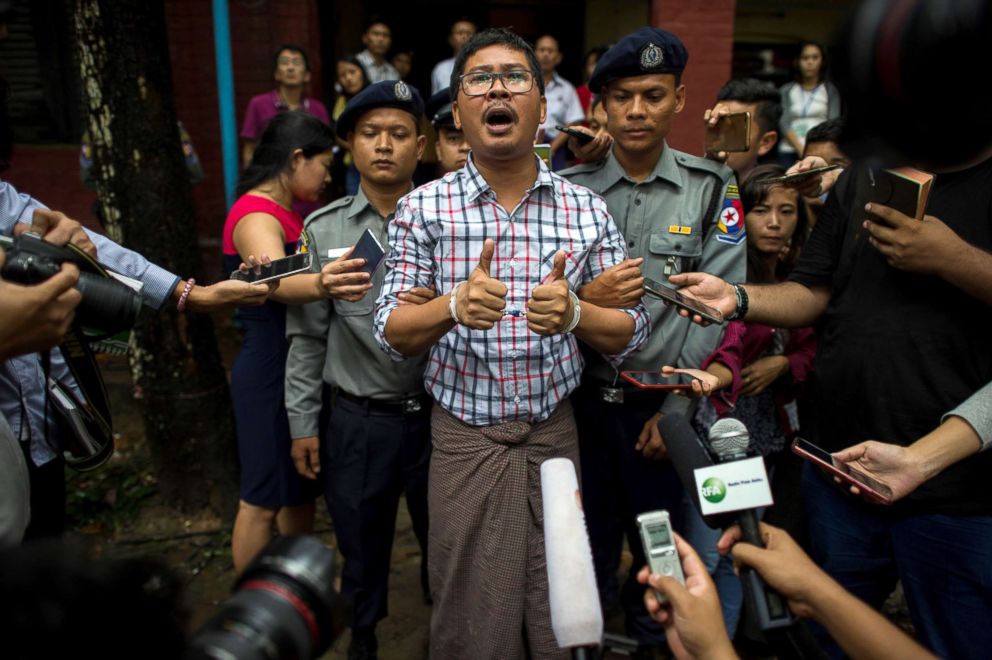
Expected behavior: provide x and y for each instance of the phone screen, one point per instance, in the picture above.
(822, 456)
(655, 380)
(295, 263)
(673, 296)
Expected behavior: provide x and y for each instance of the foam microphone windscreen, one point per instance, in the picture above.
(576, 615)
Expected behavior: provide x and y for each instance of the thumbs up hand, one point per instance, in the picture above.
(551, 308)
(480, 300)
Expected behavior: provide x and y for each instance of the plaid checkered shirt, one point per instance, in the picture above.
(507, 373)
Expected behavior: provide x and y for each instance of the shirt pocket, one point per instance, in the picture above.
(669, 254)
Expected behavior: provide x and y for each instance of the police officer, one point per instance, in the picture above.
(451, 146)
(677, 213)
(376, 443)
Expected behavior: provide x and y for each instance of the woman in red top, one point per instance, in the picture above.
(290, 163)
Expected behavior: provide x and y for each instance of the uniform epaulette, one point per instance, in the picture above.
(708, 165)
(333, 206)
(583, 168)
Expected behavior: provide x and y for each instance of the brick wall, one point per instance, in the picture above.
(257, 29)
(707, 30)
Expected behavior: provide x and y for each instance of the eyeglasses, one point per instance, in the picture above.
(519, 81)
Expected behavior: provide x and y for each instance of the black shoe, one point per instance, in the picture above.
(364, 645)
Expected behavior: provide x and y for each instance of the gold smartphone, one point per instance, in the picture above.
(731, 133)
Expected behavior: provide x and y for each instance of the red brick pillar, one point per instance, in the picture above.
(706, 27)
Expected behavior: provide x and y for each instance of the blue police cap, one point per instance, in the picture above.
(386, 94)
(648, 50)
(438, 109)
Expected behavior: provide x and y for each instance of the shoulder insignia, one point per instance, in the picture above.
(730, 227)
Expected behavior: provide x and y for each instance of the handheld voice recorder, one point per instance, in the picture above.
(659, 547)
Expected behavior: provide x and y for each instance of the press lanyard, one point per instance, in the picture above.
(809, 99)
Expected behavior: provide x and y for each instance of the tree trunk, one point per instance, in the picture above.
(146, 201)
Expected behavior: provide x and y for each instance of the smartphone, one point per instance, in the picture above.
(871, 487)
(670, 295)
(800, 176)
(370, 249)
(731, 133)
(543, 152)
(275, 270)
(659, 547)
(655, 380)
(583, 138)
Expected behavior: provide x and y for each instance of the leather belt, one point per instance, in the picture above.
(409, 406)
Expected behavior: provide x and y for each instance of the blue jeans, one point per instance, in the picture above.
(943, 561)
(728, 585)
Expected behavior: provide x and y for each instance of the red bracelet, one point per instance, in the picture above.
(181, 305)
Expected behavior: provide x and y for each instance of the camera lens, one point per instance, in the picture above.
(107, 305)
(284, 606)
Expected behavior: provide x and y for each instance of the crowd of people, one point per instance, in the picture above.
(510, 300)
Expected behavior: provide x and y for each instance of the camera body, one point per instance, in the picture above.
(107, 306)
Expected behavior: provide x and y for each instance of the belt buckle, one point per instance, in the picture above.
(611, 394)
(411, 406)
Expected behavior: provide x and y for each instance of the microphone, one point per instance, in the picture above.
(576, 614)
(729, 440)
(687, 453)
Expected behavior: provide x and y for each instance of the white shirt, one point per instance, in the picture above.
(441, 75)
(564, 107)
(377, 72)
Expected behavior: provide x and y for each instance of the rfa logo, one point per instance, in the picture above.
(714, 490)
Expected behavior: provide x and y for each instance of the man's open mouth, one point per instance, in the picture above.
(499, 118)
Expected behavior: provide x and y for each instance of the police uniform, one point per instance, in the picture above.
(376, 443)
(685, 216)
(438, 110)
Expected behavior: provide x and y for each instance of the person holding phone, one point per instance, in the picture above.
(290, 163)
(676, 211)
(375, 444)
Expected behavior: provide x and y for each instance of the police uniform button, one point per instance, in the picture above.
(678, 248)
(637, 201)
(630, 243)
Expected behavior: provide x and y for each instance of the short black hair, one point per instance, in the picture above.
(752, 90)
(376, 20)
(828, 131)
(494, 37)
(293, 48)
(597, 99)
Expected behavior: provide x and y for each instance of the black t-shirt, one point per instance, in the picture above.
(897, 350)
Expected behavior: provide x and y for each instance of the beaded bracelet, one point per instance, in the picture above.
(181, 305)
(742, 303)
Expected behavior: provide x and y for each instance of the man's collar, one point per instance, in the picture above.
(360, 202)
(281, 105)
(476, 184)
(666, 169)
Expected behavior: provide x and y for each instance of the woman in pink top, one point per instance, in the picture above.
(290, 163)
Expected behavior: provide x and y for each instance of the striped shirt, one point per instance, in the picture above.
(507, 373)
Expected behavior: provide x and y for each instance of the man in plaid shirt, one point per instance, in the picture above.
(505, 242)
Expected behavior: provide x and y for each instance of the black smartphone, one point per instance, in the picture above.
(275, 270)
(370, 249)
(670, 295)
(583, 138)
(655, 380)
(800, 176)
(874, 488)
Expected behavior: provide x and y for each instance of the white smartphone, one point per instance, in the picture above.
(659, 547)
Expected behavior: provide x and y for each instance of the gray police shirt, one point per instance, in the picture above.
(331, 340)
